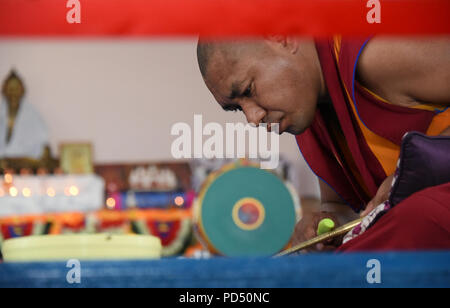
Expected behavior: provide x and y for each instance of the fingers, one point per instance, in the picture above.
(320, 247)
(381, 195)
(306, 229)
(310, 232)
(370, 206)
(330, 244)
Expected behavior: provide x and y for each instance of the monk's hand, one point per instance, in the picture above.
(306, 229)
(381, 196)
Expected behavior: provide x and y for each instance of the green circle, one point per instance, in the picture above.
(229, 188)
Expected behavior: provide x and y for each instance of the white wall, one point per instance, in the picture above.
(122, 95)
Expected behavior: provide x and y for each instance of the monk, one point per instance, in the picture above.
(23, 133)
(348, 102)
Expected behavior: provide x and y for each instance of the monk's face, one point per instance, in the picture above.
(270, 83)
(13, 90)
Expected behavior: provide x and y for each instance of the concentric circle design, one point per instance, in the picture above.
(245, 211)
(248, 213)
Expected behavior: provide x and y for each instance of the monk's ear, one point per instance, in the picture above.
(289, 43)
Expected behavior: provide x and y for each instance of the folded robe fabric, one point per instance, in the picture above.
(424, 163)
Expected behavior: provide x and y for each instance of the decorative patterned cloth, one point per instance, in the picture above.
(368, 221)
(173, 227)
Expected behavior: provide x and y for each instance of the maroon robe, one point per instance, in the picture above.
(334, 146)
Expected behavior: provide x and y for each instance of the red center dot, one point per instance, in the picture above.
(248, 213)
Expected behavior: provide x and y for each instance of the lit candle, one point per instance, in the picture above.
(8, 178)
(179, 201)
(13, 192)
(110, 203)
(51, 192)
(67, 191)
(74, 191)
(26, 192)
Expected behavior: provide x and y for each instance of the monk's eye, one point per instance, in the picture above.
(248, 91)
(233, 108)
(236, 108)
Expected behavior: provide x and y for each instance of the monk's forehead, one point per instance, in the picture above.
(230, 63)
(221, 72)
(220, 65)
(13, 82)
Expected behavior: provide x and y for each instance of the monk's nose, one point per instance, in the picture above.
(256, 116)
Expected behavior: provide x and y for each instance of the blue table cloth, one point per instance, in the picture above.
(423, 269)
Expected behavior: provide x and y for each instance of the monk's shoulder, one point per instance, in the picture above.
(390, 67)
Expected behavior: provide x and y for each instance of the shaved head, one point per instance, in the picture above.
(270, 80)
(204, 51)
(231, 50)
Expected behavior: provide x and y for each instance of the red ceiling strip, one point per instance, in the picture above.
(221, 18)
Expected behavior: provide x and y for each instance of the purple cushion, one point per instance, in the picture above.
(424, 162)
